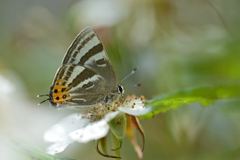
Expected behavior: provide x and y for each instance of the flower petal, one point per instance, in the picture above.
(135, 111)
(93, 131)
(111, 115)
(59, 133)
(134, 107)
(58, 146)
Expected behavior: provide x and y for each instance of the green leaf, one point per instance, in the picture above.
(37, 153)
(118, 127)
(205, 95)
(102, 145)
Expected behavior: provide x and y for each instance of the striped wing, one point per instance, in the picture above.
(87, 50)
(75, 85)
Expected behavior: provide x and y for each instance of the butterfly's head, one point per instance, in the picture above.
(120, 89)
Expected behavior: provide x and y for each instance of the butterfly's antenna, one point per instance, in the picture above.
(44, 101)
(42, 95)
(135, 85)
(133, 71)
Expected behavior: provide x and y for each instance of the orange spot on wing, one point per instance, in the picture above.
(60, 92)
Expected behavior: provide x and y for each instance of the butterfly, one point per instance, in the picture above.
(86, 76)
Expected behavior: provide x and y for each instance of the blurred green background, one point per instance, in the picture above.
(176, 44)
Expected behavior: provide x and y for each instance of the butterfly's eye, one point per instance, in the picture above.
(120, 89)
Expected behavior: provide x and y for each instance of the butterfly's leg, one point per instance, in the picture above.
(105, 102)
(122, 98)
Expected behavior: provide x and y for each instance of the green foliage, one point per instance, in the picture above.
(204, 95)
(118, 127)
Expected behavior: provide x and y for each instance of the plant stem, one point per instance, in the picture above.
(115, 145)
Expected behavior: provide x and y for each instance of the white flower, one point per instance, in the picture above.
(59, 133)
(135, 107)
(86, 127)
(76, 127)
(93, 131)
